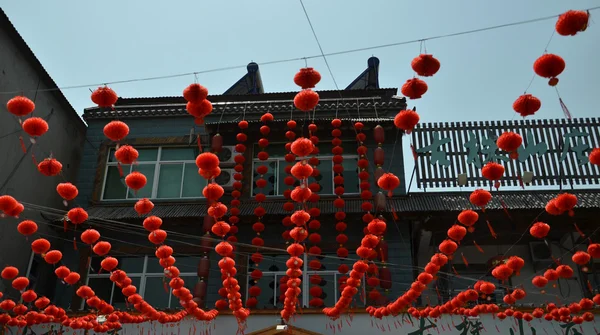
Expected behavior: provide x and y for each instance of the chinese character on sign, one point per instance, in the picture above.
(490, 149)
(530, 149)
(521, 332)
(487, 147)
(570, 329)
(580, 148)
(423, 327)
(437, 155)
(470, 327)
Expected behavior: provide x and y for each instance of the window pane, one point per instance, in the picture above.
(147, 155)
(329, 295)
(118, 300)
(188, 264)
(115, 188)
(266, 299)
(102, 287)
(281, 178)
(193, 183)
(178, 154)
(155, 293)
(169, 180)
(269, 176)
(325, 176)
(153, 265)
(146, 191)
(275, 150)
(131, 264)
(111, 155)
(350, 175)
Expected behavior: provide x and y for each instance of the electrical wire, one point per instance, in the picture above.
(288, 60)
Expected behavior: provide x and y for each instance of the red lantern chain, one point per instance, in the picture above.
(314, 238)
(339, 204)
(289, 181)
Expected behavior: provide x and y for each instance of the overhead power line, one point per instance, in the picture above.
(288, 60)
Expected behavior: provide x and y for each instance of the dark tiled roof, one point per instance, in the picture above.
(363, 119)
(413, 203)
(239, 108)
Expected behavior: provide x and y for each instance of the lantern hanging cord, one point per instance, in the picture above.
(288, 60)
(221, 117)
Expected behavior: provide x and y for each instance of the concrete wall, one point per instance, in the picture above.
(18, 174)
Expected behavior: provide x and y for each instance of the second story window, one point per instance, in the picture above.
(276, 174)
(171, 172)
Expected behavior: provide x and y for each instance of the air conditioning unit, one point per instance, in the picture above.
(540, 254)
(227, 155)
(225, 179)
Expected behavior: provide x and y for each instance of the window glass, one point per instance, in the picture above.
(350, 175)
(178, 154)
(269, 176)
(147, 154)
(193, 183)
(111, 155)
(169, 180)
(266, 299)
(115, 187)
(155, 292)
(153, 265)
(325, 177)
(131, 264)
(188, 264)
(328, 286)
(102, 287)
(118, 300)
(281, 177)
(146, 191)
(275, 150)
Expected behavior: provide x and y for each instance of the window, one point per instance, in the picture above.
(148, 277)
(171, 173)
(274, 268)
(276, 170)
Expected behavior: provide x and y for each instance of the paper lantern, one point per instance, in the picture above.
(135, 180)
(20, 283)
(16, 211)
(457, 232)
(213, 191)
(302, 147)
(40, 246)
(20, 106)
(468, 217)
(9, 272)
(551, 274)
(306, 100)
(53, 256)
(77, 215)
(27, 227)
(377, 227)
(509, 141)
(116, 130)
(526, 105)
(581, 258)
(425, 65)
(566, 201)
(502, 272)
(221, 228)
(143, 206)
(35, 126)
(539, 281)
(552, 209)
(67, 191)
(7, 203)
(62, 272)
(480, 198)
(492, 171)
(109, 263)
(448, 247)
(195, 93)
(307, 78)
(157, 236)
(388, 182)
(207, 161)
(564, 271)
(414, 88)
(549, 66)
(126, 154)
(72, 278)
(101, 248)
(90, 236)
(594, 250)
(104, 97)
(49, 167)
(515, 263)
(406, 120)
(199, 109)
(41, 303)
(571, 22)
(539, 230)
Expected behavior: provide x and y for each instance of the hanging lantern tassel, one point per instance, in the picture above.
(120, 168)
(589, 285)
(505, 208)
(521, 181)
(165, 285)
(74, 243)
(578, 230)
(455, 272)
(22, 144)
(478, 247)
(199, 143)
(65, 226)
(438, 293)
(414, 152)
(492, 232)
(34, 160)
(464, 259)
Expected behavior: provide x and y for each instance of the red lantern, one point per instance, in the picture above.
(221, 228)
(143, 206)
(564, 271)
(406, 120)
(302, 147)
(7, 203)
(594, 250)
(515, 263)
(457, 232)
(388, 182)
(90, 236)
(566, 202)
(468, 217)
(539, 281)
(109, 263)
(552, 209)
(27, 227)
(480, 198)
(539, 230)
(549, 66)
(67, 191)
(9, 272)
(101, 248)
(195, 93)
(571, 22)
(135, 180)
(116, 130)
(527, 104)
(448, 247)
(77, 215)
(199, 109)
(581, 258)
(35, 126)
(20, 106)
(307, 78)
(20, 283)
(16, 211)
(551, 274)
(509, 141)
(377, 227)
(492, 171)
(502, 272)
(49, 167)
(126, 154)
(157, 236)
(213, 191)
(104, 97)
(40, 246)
(306, 100)
(72, 278)
(414, 88)
(425, 65)
(594, 156)
(207, 161)
(53, 256)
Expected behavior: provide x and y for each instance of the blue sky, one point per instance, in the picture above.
(81, 42)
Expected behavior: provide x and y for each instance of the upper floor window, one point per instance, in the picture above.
(171, 173)
(276, 170)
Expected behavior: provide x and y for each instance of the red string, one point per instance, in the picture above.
(492, 232)
(22, 144)
(578, 230)
(478, 247)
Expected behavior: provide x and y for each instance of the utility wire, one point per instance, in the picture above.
(226, 68)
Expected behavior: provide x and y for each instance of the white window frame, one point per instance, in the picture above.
(143, 276)
(278, 160)
(157, 165)
(306, 273)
